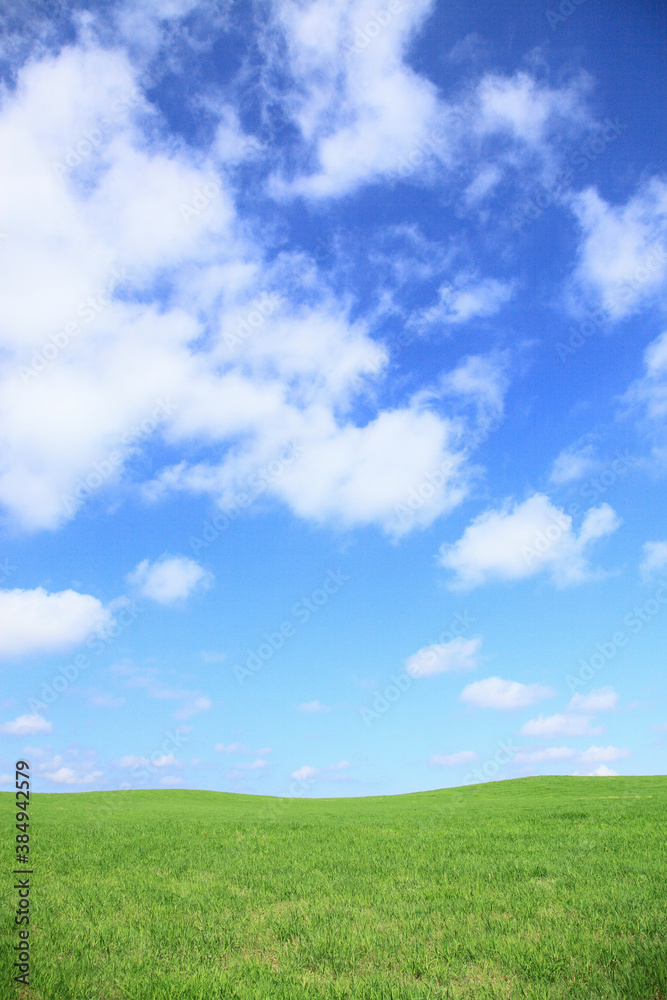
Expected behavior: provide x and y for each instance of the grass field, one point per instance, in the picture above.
(537, 888)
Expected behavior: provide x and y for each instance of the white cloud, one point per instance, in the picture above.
(364, 114)
(453, 759)
(494, 692)
(650, 391)
(36, 621)
(363, 110)
(573, 463)
(313, 707)
(595, 755)
(231, 748)
(655, 559)
(131, 760)
(340, 766)
(171, 780)
(105, 701)
(132, 371)
(164, 760)
(157, 760)
(73, 767)
(364, 475)
(458, 654)
(623, 250)
(68, 776)
(305, 773)
(481, 380)
(601, 700)
(193, 706)
(468, 297)
(601, 772)
(528, 111)
(255, 765)
(168, 579)
(192, 702)
(538, 756)
(26, 725)
(559, 725)
(531, 537)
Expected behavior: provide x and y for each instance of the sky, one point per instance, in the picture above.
(333, 385)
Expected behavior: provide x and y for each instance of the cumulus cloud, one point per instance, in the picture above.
(655, 559)
(194, 704)
(256, 765)
(528, 538)
(454, 759)
(313, 707)
(480, 380)
(36, 621)
(70, 768)
(168, 579)
(595, 755)
(333, 772)
(26, 725)
(359, 107)
(132, 760)
(68, 776)
(458, 654)
(156, 760)
(560, 725)
(601, 700)
(494, 692)
(277, 369)
(364, 114)
(573, 463)
(601, 772)
(305, 773)
(623, 249)
(645, 401)
(467, 298)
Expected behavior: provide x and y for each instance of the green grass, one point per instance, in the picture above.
(539, 888)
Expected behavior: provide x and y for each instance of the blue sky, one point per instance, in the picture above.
(334, 383)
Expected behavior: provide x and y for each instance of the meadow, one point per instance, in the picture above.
(550, 887)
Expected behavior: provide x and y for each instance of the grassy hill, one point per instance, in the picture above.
(537, 888)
